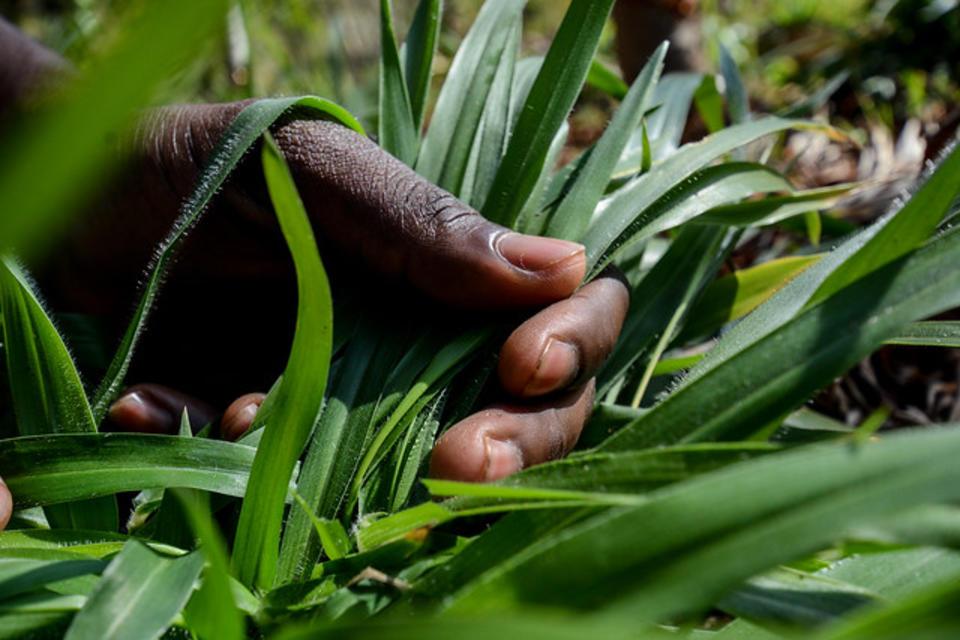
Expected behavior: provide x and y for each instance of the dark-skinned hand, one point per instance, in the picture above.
(225, 318)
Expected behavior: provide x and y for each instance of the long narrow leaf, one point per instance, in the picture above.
(398, 132)
(44, 470)
(45, 387)
(138, 597)
(417, 53)
(572, 216)
(552, 96)
(300, 396)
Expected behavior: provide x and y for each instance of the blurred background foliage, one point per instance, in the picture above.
(902, 56)
(883, 64)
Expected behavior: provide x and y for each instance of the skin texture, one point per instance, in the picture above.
(225, 318)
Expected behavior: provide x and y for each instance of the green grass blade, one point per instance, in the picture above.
(679, 275)
(138, 597)
(453, 355)
(45, 387)
(929, 334)
(43, 614)
(572, 216)
(243, 132)
(916, 221)
(776, 208)
(533, 216)
(300, 396)
(896, 573)
(800, 501)
(418, 52)
(495, 125)
(212, 612)
(796, 598)
(332, 456)
(580, 480)
(737, 294)
(738, 103)
(930, 613)
(44, 470)
(152, 45)
(786, 303)
(605, 79)
(397, 130)
(552, 96)
(19, 575)
(625, 218)
(446, 147)
(779, 371)
(673, 99)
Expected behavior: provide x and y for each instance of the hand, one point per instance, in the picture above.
(223, 322)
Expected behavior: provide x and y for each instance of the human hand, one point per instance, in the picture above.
(367, 208)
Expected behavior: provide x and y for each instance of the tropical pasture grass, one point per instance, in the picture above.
(705, 484)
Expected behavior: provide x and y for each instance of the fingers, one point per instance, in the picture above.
(6, 505)
(239, 416)
(374, 206)
(502, 440)
(153, 408)
(565, 343)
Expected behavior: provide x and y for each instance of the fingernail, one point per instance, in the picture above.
(557, 367)
(238, 423)
(135, 412)
(503, 459)
(531, 253)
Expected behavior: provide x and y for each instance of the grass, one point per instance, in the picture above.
(697, 508)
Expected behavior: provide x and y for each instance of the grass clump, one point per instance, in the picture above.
(696, 496)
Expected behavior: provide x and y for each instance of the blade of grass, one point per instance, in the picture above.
(929, 334)
(820, 490)
(778, 372)
(417, 52)
(775, 208)
(495, 125)
(453, 355)
(916, 222)
(332, 456)
(300, 396)
(572, 217)
(603, 78)
(45, 387)
(398, 132)
(626, 218)
(787, 302)
(446, 146)
(212, 611)
(738, 103)
(737, 294)
(689, 263)
(139, 595)
(581, 477)
(44, 470)
(546, 108)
